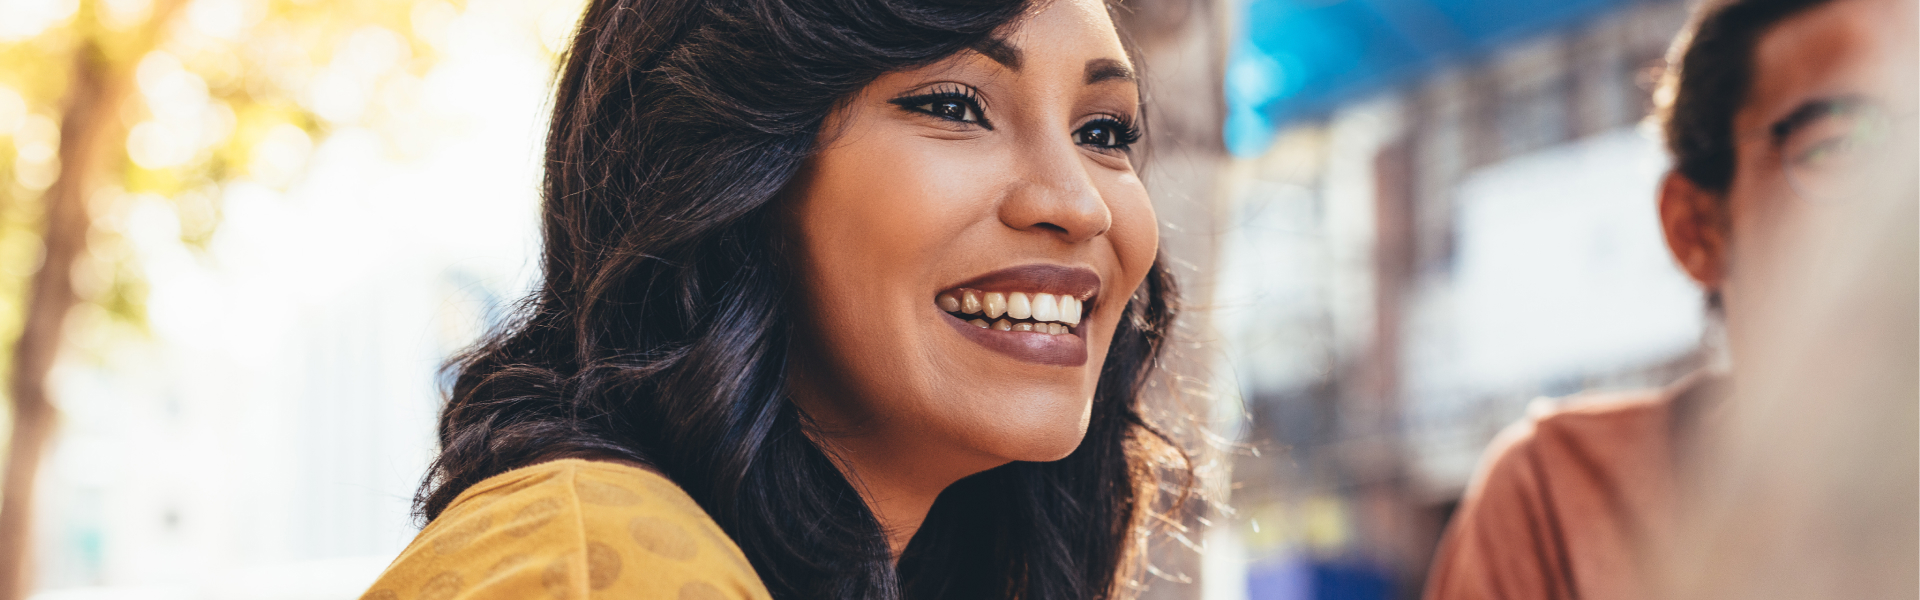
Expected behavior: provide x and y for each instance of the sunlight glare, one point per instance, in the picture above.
(36, 144)
(13, 111)
(279, 157)
(22, 19)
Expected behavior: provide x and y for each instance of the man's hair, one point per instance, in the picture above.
(1709, 71)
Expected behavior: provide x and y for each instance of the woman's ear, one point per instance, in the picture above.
(1696, 225)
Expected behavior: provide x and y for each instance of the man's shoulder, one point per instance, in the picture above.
(1601, 442)
(1563, 490)
(1606, 418)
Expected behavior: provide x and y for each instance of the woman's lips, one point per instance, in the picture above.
(1047, 331)
(1079, 282)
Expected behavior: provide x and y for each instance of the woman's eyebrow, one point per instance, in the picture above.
(1008, 55)
(1098, 70)
(1107, 69)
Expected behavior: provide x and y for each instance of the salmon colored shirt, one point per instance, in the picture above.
(571, 529)
(1569, 501)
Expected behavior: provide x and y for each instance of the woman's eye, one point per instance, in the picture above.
(952, 110)
(952, 103)
(1107, 134)
(1097, 135)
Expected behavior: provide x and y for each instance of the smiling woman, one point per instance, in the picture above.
(842, 299)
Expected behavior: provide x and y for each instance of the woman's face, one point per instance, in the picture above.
(968, 238)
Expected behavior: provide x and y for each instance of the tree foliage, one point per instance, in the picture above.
(189, 98)
(230, 90)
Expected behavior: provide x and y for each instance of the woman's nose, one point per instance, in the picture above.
(1056, 194)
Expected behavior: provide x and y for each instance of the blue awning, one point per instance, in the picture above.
(1300, 58)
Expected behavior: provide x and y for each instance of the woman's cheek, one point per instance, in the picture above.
(891, 201)
(1136, 231)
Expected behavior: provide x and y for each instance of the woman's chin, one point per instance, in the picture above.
(1045, 443)
(1057, 452)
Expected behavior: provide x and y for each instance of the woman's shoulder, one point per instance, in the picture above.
(569, 529)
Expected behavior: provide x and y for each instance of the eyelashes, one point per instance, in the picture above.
(963, 104)
(1108, 132)
(952, 102)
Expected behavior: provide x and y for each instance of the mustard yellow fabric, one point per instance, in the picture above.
(571, 530)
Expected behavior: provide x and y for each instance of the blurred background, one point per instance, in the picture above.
(238, 237)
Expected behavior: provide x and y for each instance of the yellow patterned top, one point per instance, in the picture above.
(571, 529)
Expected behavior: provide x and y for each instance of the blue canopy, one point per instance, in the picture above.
(1301, 58)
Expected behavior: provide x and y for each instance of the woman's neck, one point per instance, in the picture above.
(898, 468)
(898, 479)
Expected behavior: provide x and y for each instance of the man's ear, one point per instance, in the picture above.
(1695, 222)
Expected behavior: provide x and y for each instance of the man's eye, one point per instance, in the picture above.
(1834, 137)
(1825, 152)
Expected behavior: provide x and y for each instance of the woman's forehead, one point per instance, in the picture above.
(1061, 32)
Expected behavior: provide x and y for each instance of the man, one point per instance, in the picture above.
(1773, 108)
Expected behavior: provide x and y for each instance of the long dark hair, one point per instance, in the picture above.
(660, 331)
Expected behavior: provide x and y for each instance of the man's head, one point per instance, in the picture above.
(1772, 108)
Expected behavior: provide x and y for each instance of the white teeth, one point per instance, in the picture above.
(1018, 307)
(1053, 314)
(1046, 307)
(996, 304)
